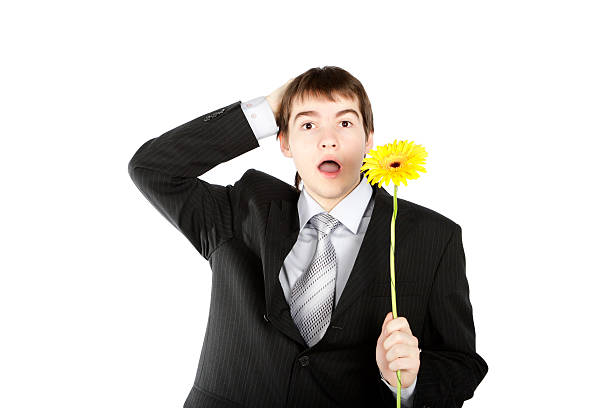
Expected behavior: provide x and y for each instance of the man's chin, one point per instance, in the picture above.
(328, 192)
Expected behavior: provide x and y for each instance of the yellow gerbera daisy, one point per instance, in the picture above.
(396, 162)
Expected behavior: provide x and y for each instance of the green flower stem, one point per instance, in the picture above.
(392, 265)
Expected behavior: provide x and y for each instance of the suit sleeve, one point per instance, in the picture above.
(166, 168)
(450, 368)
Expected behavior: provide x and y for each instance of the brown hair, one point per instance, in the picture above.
(327, 82)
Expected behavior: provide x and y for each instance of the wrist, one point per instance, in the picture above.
(384, 379)
(272, 104)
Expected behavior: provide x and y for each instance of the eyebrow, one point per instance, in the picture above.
(315, 113)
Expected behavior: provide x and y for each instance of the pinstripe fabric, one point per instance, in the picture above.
(253, 354)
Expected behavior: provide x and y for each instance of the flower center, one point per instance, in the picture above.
(394, 164)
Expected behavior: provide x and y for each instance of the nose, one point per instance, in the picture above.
(328, 140)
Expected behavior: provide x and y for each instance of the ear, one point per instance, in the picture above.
(284, 146)
(370, 142)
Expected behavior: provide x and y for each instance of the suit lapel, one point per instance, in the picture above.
(281, 234)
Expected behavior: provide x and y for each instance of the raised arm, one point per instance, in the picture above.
(166, 168)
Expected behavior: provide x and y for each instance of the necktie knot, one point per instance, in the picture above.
(324, 223)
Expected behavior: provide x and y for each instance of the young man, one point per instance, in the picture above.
(299, 313)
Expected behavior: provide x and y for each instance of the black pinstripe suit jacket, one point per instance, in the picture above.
(253, 354)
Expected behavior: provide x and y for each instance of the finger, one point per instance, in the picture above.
(410, 365)
(400, 324)
(400, 338)
(401, 351)
(388, 317)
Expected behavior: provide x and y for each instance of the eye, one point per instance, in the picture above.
(310, 123)
(306, 123)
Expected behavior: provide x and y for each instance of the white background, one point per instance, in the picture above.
(104, 304)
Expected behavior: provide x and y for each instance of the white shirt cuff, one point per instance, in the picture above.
(407, 393)
(260, 116)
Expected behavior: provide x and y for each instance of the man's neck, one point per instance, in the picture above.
(329, 204)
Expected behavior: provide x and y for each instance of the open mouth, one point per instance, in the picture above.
(330, 168)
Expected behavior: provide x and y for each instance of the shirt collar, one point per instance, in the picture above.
(349, 211)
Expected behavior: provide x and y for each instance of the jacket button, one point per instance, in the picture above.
(304, 361)
(265, 317)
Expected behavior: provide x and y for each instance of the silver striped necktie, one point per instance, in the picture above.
(312, 296)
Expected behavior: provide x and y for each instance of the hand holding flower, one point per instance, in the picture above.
(397, 349)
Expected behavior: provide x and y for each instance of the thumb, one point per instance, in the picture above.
(388, 318)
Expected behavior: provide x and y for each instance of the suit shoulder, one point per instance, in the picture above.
(428, 217)
(262, 186)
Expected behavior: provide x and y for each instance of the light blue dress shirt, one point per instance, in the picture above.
(353, 212)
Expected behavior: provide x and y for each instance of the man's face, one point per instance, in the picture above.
(318, 128)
